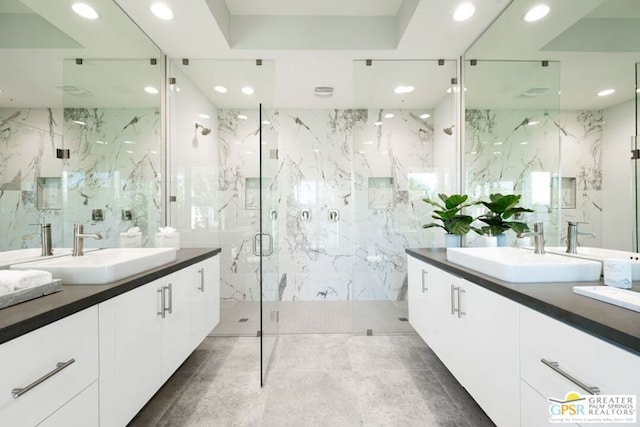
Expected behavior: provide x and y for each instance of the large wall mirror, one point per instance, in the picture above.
(542, 121)
(79, 124)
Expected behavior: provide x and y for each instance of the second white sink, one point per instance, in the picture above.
(103, 266)
(599, 254)
(523, 266)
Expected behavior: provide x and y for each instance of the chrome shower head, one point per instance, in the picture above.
(203, 130)
(449, 130)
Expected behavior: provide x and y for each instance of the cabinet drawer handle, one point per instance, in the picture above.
(460, 312)
(201, 287)
(162, 302)
(424, 273)
(17, 392)
(556, 367)
(169, 289)
(453, 304)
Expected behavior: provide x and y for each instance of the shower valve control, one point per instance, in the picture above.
(305, 214)
(334, 215)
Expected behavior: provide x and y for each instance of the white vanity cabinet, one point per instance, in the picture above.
(52, 366)
(590, 361)
(146, 333)
(474, 332)
(207, 309)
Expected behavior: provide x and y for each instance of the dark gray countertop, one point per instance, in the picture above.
(611, 323)
(30, 315)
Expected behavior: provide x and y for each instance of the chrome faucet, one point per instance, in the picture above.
(45, 234)
(538, 237)
(78, 236)
(572, 236)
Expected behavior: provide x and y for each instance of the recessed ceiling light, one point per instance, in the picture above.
(497, 143)
(128, 142)
(100, 142)
(388, 116)
(129, 151)
(368, 143)
(464, 11)
(247, 90)
(85, 11)
(536, 13)
(425, 116)
(524, 143)
(220, 89)
(377, 124)
(204, 116)
(78, 122)
(242, 117)
(404, 89)
(497, 152)
(266, 122)
(316, 150)
(323, 91)
(474, 152)
(162, 11)
(361, 152)
(533, 123)
(606, 92)
(152, 90)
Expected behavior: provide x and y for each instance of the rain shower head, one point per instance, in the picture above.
(449, 130)
(203, 130)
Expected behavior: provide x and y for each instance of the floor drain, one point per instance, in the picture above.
(403, 319)
(244, 319)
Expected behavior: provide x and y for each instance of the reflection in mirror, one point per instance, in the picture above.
(593, 46)
(66, 113)
(512, 131)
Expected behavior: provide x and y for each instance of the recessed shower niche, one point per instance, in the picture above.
(380, 192)
(49, 193)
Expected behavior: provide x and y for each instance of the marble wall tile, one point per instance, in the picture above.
(329, 162)
(525, 152)
(103, 172)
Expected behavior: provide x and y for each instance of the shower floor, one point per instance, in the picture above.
(242, 318)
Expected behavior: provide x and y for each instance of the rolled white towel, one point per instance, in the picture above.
(22, 279)
(5, 289)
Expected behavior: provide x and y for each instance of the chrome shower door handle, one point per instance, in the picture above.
(258, 249)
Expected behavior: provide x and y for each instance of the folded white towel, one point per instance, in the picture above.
(133, 230)
(22, 279)
(166, 230)
(5, 289)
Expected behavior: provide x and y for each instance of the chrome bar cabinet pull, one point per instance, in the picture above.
(201, 287)
(162, 302)
(17, 392)
(556, 367)
(424, 273)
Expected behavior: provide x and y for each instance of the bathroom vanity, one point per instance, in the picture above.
(509, 344)
(95, 354)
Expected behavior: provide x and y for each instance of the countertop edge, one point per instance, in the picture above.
(586, 324)
(44, 316)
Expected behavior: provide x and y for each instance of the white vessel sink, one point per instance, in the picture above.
(599, 254)
(523, 266)
(7, 258)
(102, 266)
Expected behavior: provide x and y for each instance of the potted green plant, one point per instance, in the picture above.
(501, 208)
(454, 223)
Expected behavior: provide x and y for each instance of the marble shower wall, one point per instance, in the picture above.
(345, 200)
(114, 165)
(519, 151)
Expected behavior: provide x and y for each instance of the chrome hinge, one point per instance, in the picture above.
(635, 154)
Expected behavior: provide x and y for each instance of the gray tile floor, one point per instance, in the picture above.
(314, 380)
(316, 317)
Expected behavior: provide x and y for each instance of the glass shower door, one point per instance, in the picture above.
(265, 243)
(635, 171)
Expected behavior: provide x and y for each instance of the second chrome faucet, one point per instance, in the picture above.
(538, 237)
(78, 236)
